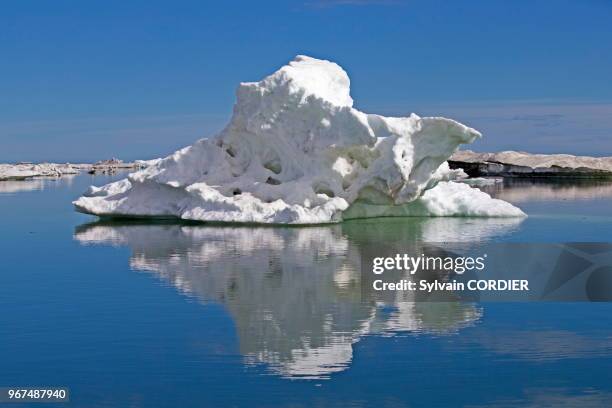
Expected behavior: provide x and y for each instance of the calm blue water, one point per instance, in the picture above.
(163, 315)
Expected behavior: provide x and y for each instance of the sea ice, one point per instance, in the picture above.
(296, 151)
(535, 161)
(28, 170)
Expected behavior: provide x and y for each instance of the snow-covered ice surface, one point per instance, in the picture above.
(536, 160)
(297, 152)
(26, 171)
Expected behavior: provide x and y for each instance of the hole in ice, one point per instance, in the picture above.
(272, 181)
(231, 151)
(237, 191)
(324, 190)
(274, 166)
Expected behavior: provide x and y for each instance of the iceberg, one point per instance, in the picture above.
(296, 151)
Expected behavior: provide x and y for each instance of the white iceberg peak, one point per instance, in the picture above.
(296, 151)
(307, 76)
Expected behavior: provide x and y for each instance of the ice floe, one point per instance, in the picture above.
(25, 171)
(521, 164)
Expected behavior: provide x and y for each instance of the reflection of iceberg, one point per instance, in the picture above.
(33, 184)
(543, 344)
(9, 187)
(297, 152)
(531, 190)
(295, 294)
(554, 397)
(467, 230)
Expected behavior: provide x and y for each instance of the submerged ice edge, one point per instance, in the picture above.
(297, 152)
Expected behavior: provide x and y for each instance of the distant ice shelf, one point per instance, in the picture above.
(296, 152)
(521, 164)
(25, 171)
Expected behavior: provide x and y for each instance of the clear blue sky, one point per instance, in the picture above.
(137, 79)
